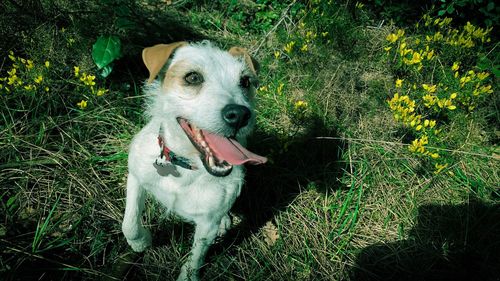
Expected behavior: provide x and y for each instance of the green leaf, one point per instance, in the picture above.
(105, 71)
(490, 6)
(441, 12)
(450, 9)
(105, 50)
(496, 72)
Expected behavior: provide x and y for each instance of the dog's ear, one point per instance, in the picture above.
(155, 57)
(250, 61)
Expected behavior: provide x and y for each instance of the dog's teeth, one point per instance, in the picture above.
(203, 143)
(211, 161)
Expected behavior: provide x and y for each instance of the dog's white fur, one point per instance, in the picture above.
(194, 195)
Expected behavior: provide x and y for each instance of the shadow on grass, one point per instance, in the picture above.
(449, 242)
(306, 163)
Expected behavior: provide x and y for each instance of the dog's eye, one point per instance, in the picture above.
(245, 82)
(194, 78)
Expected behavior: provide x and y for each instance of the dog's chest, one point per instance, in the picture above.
(194, 194)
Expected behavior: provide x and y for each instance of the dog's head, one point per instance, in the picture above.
(210, 93)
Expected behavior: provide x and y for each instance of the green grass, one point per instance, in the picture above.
(346, 197)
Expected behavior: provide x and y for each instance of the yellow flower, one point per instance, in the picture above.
(46, 89)
(434, 155)
(430, 55)
(82, 104)
(30, 87)
(304, 48)
(453, 96)
(47, 64)
(432, 123)
(399, 83)
(300, 105)
(30, 64)
(39, 79)
(324, 34)
(439, 168)
(482, 75)
(277, 54)
(391, 38)
(416, 58)
(279, 90)
(101, 92)
(387, 49)
(76, 70)
(11, 56)
(12, 72)
(418, 128)
(455, 66)
(289, 47)
(429, 88)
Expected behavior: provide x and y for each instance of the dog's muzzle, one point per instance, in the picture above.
(217, 152)
(236, 116)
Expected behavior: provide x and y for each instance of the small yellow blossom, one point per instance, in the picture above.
(429, 88)
(82, 104)
(29, 64)
(300, 105)
(39, 79)
(482, 75)
(277, 54)
(289, 47)
(455, 66)
(399, 83)
(30, 87)
(279, 90)
(392, 38)
(101, 92)
(304, 48)
(47, 64)
(439, 168)
(76, 70)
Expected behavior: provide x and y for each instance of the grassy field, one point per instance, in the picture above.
(343, 197)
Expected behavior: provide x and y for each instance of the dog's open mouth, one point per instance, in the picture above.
(218, 153)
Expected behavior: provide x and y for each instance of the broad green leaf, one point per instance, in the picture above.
(105, 50)
(490, 6)
(105, 71)
(496, 72)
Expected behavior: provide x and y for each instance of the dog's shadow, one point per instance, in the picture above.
(295, 164)
(450, 242)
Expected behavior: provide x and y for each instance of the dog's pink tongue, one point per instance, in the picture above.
(231, 150)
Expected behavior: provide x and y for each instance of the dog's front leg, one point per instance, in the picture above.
(137, 236)
(205, 233)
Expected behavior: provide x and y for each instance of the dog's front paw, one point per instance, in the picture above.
(142, 242)
(224, 226)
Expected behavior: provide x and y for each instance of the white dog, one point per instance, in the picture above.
(190, 154)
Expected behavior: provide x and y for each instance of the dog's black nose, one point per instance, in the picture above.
(236, 115)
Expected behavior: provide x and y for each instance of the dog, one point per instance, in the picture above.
(190, 154)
